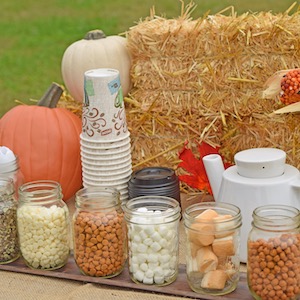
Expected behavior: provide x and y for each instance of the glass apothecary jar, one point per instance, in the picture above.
(43, 225)
(273, 268)
(212, 247)
(99, 232)
(153, 233)
(9, 244)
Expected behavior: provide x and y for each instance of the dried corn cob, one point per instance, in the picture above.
(290, 87)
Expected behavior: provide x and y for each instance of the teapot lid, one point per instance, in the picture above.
(260, 162)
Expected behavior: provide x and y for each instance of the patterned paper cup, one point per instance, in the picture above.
(105, 156)
(103, 112)
(112, 168)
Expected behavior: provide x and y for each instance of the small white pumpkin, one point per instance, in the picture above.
(93, 52)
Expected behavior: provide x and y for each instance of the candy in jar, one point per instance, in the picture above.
(212, 248)
(152, 226)
(273, 268)
(9, 245)
(43, 225)
(99, 232)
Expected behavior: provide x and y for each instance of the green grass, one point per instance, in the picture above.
(34, 34)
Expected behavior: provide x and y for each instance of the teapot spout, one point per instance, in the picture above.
(214, 168)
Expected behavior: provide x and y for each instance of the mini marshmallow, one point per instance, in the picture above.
(142, 248)
(159, 279)
(148, 241)
(142, 209)
(139, 275)
(153, 258)
(148, 280)
(155, 247)
(156, 236)
(144, 267)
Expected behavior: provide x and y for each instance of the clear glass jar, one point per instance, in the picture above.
(273, 268)
(153, 233)
(212, 247)
(9, 244)
(12, 170)
(99, 232)
(43, 225)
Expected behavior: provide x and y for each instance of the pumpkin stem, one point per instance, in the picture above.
(51, 97)
(96, 34)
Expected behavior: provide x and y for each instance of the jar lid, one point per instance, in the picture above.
(8, 160)
(151, 177)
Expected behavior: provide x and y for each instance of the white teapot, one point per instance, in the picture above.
(259, 177)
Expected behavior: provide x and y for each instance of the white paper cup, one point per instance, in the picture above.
(105, 151)
(106, 171)
(116, 184)
(105, 144)
(106, 162)
(103, 112)
(106, 178)
(108, 168)
(106, 156)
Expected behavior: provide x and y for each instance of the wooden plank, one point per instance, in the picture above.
(178, 288)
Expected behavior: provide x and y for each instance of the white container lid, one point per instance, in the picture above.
(260, 162)
(7, 160)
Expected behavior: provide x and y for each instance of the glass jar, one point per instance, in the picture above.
(153, 233)
(43, 225)
(9, 245)
(273, 268)
(99, 232)
(212, 247)
(12, 170)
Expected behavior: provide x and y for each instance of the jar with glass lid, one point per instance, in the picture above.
(99, 232)
(273, 268)
(43, 225)
(9, 245)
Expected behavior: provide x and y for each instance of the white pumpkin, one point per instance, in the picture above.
(93, 52)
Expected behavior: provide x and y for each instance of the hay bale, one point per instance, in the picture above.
(202, 80)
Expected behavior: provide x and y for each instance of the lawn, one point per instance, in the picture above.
(34, 34)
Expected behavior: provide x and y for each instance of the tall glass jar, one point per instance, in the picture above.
(99, 232)
(153, 233)
(9, 245)
(273, 268)
(43, 225)
(212, 247)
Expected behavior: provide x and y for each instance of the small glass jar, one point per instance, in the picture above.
(12, 170)
(273, 268)
(9, 244)
(99, 232)
(212, 247)
(153, 233)
(43, 225)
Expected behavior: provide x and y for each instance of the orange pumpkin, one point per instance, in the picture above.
(46, 140)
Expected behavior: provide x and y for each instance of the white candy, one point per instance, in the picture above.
(44, 235)
(152, 245)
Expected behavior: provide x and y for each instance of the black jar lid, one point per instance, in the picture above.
(152, 177)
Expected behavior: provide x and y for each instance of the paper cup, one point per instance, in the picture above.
(110, 168)
(103, 112)
(106, 156)
(107, 178)
(105, 144)
(116, 184)
(106, 151)
(107, 171)
(106, 162)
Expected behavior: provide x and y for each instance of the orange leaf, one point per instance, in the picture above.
(198, 178)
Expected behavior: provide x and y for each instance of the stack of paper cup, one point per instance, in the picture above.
(105, 139)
